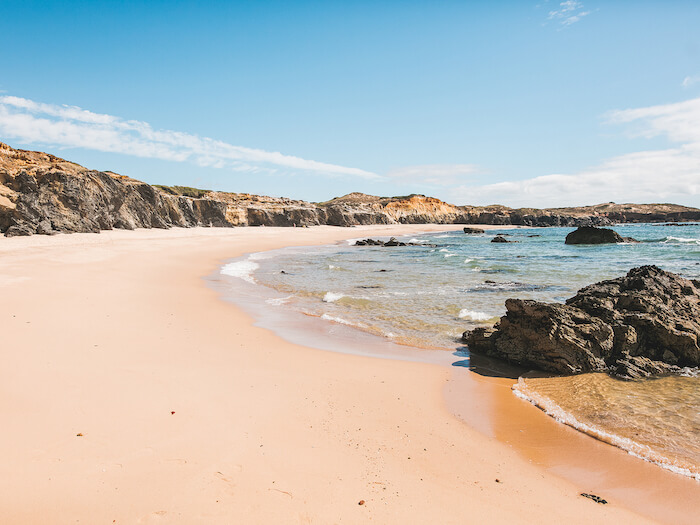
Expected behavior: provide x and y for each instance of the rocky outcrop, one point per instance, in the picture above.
(646, 323)
(473, 231)
(500, 239)
(390, 243)
(593, 235)
(42, 193)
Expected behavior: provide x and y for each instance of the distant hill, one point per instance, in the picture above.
(44, 194)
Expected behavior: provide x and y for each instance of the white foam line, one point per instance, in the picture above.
(332, 297)
(549, 407)
(241, 269)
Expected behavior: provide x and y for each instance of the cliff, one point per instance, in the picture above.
(42, 193)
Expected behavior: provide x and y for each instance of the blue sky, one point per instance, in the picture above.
(519, 103)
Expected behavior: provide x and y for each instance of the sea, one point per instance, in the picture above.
(426, 295)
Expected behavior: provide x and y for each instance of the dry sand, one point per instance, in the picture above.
(131, 393)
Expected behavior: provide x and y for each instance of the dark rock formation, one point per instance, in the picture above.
(472, 231)
(500, 238)
(646, 323)
(390, 243)
(593, 235)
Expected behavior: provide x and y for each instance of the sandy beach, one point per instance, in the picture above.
(130, 392)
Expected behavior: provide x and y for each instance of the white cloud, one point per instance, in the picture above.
(434, 174)
(33, 122)
(666, 175)
(690, 80)
(569, 12)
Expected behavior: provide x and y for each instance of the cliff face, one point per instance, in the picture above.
(42, 193)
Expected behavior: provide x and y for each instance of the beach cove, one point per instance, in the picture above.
(132, 393)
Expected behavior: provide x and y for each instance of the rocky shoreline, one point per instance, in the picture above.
(646, 323)
(44, 194)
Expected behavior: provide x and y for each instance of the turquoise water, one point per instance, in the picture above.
(425, 296)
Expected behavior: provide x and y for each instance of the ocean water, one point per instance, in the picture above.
(425, 296)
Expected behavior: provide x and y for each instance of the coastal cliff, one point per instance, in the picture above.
(44, 194)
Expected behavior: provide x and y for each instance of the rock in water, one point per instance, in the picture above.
(593, 235)
(470, 231)
(499, 238)
(644, 324)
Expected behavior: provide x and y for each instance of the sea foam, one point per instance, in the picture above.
(241, 269)
(472, 315)
(332, 297)
(549, 407)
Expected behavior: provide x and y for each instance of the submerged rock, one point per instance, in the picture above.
(593, 235)
(644, 324)
(499, 238)
(390, 243)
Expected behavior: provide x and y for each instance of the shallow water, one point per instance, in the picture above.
(427, 295)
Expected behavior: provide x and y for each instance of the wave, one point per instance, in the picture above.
(511, 286)
(680, 240)
(261, 256)
(242, 269)
(332, 297)
(473, 315)
(670, 239)
(549, 407)
(340, 320)
(279, 301)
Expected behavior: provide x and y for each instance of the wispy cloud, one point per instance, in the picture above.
(568, 13)
(62, 126)
(666, 175)
(690, 80)
(434, 174)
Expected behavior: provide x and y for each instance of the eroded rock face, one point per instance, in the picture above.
(42, 193)
(646, 323)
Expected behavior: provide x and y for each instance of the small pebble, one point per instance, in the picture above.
(361, 502)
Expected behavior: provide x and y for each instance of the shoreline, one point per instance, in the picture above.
(611, 470)
(180, 402)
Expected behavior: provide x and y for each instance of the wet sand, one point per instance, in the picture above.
(131, 393)
(483, 398)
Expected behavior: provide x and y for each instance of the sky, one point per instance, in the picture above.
(536, 104)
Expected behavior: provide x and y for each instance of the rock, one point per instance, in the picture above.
(644, 324)
(19, 230)
(44, 228)
(595, 498)
(473, 230)
(498, 238)
(392, 242)
(593, 235)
